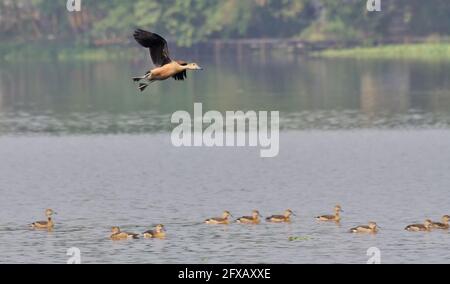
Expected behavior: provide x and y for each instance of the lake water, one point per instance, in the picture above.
(373, 136)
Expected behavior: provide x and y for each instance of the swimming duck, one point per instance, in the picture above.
(444, 225)
(426, 227)
(254, 219)
(158, 233)
(118, 235)
(286, 218)
(165, 67)
(332, 218)
(49, 224)
(224, 220)
(372, 228)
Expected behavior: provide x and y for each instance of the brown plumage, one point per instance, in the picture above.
(426, 227)
(332, 218)
(286, 218)
(372, 228)
(118, 235)
(48, 225)
(444, 225)
(158, 233)
(165, 67)
(224, 220)
(254, 219)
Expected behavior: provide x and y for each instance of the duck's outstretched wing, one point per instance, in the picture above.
(157, 45)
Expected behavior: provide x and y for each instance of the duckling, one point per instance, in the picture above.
(49, 224)
(224, 220)
(332, 218)
(444, 225)
(158, 233)
(118, 235)
(254, 219)
(371, 229)
(286, 218)
(426, 227)
(165, 67)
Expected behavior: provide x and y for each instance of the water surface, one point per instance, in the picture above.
(371, 135)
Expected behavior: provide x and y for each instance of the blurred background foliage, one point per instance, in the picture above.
(105, 22)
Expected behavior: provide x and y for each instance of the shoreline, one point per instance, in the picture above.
(46, 52)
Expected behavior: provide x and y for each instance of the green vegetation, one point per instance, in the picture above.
(299, 239)
(188, 22)
(427, 52)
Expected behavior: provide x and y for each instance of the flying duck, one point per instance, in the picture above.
(165, 67)
(49, 224)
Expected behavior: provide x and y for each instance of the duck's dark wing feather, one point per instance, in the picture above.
(159, 50)
(327, 216)
(275, 217)
(182, 75)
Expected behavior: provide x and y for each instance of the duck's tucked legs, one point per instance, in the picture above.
(146, 76)
(142, 87)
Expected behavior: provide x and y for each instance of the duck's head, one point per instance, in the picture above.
(49, 212)
(226, 214)
(338, 209)
(115, 230)
(373, 226)
(289, 213)
(428, 223)
(446, 218)
(160, 228)
(193, 66)
(256, 214)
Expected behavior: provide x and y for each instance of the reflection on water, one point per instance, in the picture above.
(395, 177)
(309, 93)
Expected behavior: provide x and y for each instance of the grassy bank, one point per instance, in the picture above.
(426, 51)
(37, 52)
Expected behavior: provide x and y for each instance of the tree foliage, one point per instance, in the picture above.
(192, 21)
